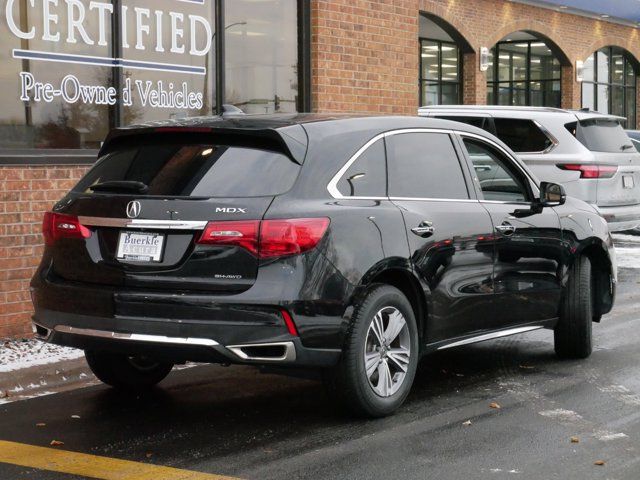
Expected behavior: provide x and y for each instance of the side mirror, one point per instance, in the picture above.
(552, 194)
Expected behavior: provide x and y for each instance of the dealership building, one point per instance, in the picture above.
(70, 70)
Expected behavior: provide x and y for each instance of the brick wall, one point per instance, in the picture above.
(364, 56)
(364, 53)
(25, 193)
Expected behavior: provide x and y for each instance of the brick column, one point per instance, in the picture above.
(571, 89)
(474, 82)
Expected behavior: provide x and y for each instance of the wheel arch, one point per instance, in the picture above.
(405, 281)
(602, 273)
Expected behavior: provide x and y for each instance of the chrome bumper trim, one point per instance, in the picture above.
(491, 336)
(136, 337)
(289, 351)
(142, 223)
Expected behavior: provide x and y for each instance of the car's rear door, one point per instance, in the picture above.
(448, 231)
(528, 241)
(146, 203)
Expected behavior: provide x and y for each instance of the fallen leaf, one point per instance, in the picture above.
(149, 455)
(494, 405)
(467, 423)
(41, 424)
(527, 367)
(75, 416)
(3, 394)
(599, 462)
(575, 440)
(56, 443)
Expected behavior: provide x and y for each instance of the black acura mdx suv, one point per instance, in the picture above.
(349, 245)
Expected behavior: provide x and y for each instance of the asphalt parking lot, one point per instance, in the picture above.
(556, 419)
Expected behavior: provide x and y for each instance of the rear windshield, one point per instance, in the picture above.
(601, 135)
(195, 170)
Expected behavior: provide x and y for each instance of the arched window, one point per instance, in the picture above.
(609, 83)
(523, 71)
(440, 63)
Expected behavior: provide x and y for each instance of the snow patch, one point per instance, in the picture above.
(608, 436)
(19, 354)
(628, 257)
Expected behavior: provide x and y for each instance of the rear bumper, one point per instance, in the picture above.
(620, 218)
(162, 340)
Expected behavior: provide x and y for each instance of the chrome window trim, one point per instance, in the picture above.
(427, 199)
(135, 337)
(142, 223)
(332, 187)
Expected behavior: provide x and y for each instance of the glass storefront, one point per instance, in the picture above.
(74, 69)
(523, 73)
(609, 83)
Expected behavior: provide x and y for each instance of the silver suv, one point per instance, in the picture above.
(587, 152)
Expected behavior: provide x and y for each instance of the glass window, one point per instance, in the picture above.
(498, 179)
(600, 135)
(424, 165)
(177, 78)
(610, 85)
(45, 103)
(525, 73)
(367, 176)
(521, 135)
(261, 55)
(74, 69)
(440, 72)
(186, 168)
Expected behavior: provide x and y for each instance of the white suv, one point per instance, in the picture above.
(587, 152)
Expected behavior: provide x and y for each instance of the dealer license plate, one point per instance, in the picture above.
(140, 247)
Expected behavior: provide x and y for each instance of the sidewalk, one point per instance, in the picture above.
(30, 368)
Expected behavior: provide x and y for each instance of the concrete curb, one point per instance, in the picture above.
(45, 379)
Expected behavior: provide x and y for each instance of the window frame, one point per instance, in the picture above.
(357, 156)
(610, 84)
(87, 156)
(439, 82)
(525, 177)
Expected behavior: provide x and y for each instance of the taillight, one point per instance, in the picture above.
(241, 233)
(267, 238)
(590, 170)
(57, 225)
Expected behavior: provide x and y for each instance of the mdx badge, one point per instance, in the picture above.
(133, 209)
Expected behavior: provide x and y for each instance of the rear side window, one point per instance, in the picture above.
(195, 170)
(601, 135)
(521, 135)
(424, 165)
(367, 176)
(480, 122)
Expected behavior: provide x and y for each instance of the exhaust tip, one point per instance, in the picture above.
(40, 332)
(265, 352)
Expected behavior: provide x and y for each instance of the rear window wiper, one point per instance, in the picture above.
(120, 186)
(626, 147)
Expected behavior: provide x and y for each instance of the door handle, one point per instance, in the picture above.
(424, 230)
(506, 229)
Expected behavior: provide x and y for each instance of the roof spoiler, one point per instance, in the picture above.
(291, 140)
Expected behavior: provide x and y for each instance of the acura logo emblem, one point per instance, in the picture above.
(133, 209)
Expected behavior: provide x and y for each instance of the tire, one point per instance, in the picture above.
(572, 335)
(125, 372)
(368, 395)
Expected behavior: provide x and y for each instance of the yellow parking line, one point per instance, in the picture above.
(93, 466)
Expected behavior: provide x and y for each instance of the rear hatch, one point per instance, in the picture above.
(144, 207)
(617, 162)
